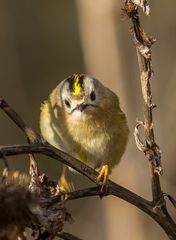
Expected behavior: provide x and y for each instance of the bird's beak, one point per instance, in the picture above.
(82, 106)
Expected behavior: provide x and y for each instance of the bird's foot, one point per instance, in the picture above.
(103, 176)
(65, 186)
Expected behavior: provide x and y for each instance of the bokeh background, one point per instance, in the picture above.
(41, 43)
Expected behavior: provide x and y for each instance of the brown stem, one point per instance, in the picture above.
(48, 150)
(151, 150)
(143, 44)
(67, 236)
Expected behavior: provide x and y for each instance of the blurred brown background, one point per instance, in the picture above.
(41, 43)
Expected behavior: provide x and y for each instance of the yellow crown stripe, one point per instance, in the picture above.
(76, 84)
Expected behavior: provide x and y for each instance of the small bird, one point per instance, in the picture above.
(83, 118)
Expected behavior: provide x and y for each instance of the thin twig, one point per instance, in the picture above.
(86, 192)
(48, 150)
(28, 131)
(31, 135)
(67, 236)
(6, 165)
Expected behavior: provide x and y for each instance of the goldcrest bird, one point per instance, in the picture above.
(83, 118)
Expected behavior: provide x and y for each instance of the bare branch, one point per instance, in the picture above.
(67, 236)
(48, 150)
(29, 132)
(156, 210)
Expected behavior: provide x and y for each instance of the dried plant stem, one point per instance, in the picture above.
(150, 149)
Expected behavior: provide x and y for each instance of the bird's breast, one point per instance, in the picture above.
(90, 140)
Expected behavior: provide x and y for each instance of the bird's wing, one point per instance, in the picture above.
(51, 120)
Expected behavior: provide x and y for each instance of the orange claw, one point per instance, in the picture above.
(65, 186)
(103, 175)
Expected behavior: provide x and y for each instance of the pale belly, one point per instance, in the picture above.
(92, 150)
(97, 145)
(93, 143)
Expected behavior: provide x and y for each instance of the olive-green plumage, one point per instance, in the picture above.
(83, 118)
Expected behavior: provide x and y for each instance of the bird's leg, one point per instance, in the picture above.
(103, 175)
(64, 184)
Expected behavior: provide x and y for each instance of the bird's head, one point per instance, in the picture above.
(83, 96)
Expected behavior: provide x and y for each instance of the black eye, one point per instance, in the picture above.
(67, 103)
(92, 96)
